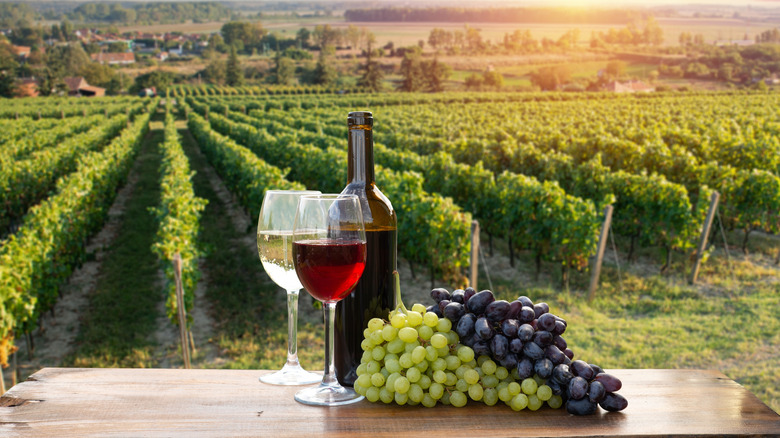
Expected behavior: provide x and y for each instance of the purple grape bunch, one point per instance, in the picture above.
(525, 336)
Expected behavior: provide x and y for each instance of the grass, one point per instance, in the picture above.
(118, 327)
(641, 319)
(250, 311)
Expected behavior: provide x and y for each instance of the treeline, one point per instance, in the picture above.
(150, 13)
(13, 13)
(495, 15)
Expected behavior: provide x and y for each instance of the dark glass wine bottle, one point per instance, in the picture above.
(373, 296)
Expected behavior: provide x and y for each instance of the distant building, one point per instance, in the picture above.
(114, 58)
(629, 87)
(21, 51)
(78, 86)
(27, 87)
(162, 56)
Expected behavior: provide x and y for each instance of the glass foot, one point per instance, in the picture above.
(291, 375)
(325, 395)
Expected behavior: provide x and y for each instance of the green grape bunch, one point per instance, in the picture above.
(416, 358)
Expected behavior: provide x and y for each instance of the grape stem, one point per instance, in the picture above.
(400, 306)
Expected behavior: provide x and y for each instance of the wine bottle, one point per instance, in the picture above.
(373, 296)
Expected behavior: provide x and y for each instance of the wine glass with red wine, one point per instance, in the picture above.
(329, 253)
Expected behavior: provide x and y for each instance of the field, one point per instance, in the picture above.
(536, 170)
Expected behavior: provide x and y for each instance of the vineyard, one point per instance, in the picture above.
(535, 170)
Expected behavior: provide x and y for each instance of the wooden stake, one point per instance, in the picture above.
(705, 232)
(603, 236)
(185, 347)
(2, 381)
(474, 254)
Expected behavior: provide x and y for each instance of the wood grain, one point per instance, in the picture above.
(63, 402)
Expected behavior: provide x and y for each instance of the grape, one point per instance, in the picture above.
(554, 386)
(578, 388)
(596, 369)
(543, 338)
(489, 367)
(458, 399)
(533, 351)
(503, 394)
(462, 386)
(385, 395)
(613, 402)
(544, 368)
(527, 314)
(375, 324)
(519, 402)
(440, 294)
(560, 328)
(436, 390)
(395, 346)
(502, 373)
(483, 328)
(465, 354)
(526, 301)
(568, 353)
(555, 402)
(443, 304)
(540, 309)
(378, 353)
(468, 293)
(377, 379)
(559, 342)
(401, 399)
(516, 346)
(554, 354)
(596, 392)
(434, 309)
(444, 325)
(509, 361)
(529, 386)
(534, 403)
(452, 362)
(581, 407)
(457, 296)
(471, 377)
(419, 308)
(490, 396)
(525, 333)
(544, 392)
(415, 393)
(509, 327)
(610, 382)
(499, 346)
(414, 318)
(398, 320)
(438, 340)
(430, 319)
(497, 310)
(582, 369)
(481, 348)
(480, 301)
(372, 394)
(465, 326)
(476, 392)
(525, 368)
(428, 401)
(454, 311)
(424, 332)
(407, 334)
(514, 309)
(547, 322)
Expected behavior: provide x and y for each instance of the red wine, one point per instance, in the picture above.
(329, 269)
(372, 297)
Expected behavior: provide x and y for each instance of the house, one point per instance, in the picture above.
(162, 56)
(27, 87)
(114, 58)
(629, 87)
(22, 52)
(78, 86)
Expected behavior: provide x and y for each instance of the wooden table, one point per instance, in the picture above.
(61, 402)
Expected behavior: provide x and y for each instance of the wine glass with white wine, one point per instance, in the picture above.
(274, 244)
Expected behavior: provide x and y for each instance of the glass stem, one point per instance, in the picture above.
(329, 377)
(292, 328)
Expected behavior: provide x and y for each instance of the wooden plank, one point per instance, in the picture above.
(63, 402)
(705, 232)
(602, 245)
(474, 268)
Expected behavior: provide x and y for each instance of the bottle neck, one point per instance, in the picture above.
(360, 155)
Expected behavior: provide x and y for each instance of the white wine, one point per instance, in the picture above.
(275, 249)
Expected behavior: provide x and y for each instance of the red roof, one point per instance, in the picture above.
(21, 50)
(75, 83)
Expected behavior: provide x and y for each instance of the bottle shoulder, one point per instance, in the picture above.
(378, 211)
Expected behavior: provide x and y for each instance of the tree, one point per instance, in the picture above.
(324, 72)
(434, 74)
(242, 34)
(372, 74)
(234, 75)
(215, 71)
(117, 47)
(493, 79)
(98, 74)
(66, 60)
(284, 70)
(8, 66)
(326, 36)
(551, 78)
(158, 79)
(473, 82)
(302, 38)
(216, 42)
(411, 71)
